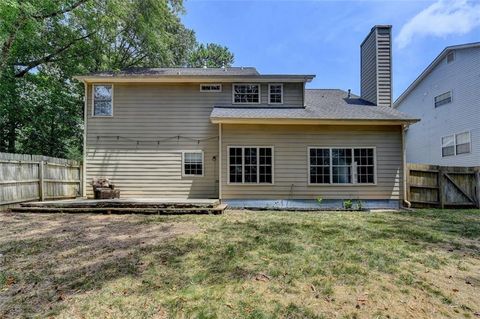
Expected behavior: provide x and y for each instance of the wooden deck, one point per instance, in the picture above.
(126, 206)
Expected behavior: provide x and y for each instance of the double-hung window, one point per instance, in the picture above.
(246, 93)
(456, 144)
(341, 165)
(275, 93)
(250, 165)
(192, 163)
(102, 100)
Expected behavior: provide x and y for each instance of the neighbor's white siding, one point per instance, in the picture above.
(424, 139)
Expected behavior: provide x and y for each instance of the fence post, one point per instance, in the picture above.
(41, 183)
(477, 186)
(441, 187)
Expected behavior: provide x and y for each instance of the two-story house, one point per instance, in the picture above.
(250, 139)
(446, 98)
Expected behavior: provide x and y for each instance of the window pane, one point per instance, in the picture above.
(102, 100)
(319, 166)
(448, 151)
(341, 174)
(365, 165)
(463, 138)
(235, 170)
(250, 159)
(246, 93)
(265, 165)
(275, 93)
(448, 141)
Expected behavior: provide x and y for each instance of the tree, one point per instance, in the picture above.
(210, 55)
(43, 43)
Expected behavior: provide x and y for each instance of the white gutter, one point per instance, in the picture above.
(84, 166)
(404, 162)
(220, 161)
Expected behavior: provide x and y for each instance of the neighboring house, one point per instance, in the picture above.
(247, 138)
(446, 97)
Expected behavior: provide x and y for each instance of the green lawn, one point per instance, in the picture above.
(243, 264)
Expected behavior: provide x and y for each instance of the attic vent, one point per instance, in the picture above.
(450, 57)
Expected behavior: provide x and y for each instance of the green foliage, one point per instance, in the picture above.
(43, 43)
(319, 200)
(347, 204)
(210, 55)
(359, 204)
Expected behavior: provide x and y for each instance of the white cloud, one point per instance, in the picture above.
(442, 18)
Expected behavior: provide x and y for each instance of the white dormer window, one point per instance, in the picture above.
(275, 93)
(210, 88)
(246, 93)
(450, 57)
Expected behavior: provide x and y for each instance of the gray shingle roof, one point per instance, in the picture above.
(321, 104)
(179, 71)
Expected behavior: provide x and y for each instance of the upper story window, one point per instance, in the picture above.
(210, 88)
(102, 100)
(450, 57)
(341, 165)
(456, 144)
(246, 93)
(275, 93)
(444, 98)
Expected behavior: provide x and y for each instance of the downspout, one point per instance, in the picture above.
(84, 166)
(220, 161)
(404, 152)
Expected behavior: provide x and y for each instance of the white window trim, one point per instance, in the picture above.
(451, 99)
(354, 174)
(455, 144)
(183, 164)
(247, 103)
(93, 99)
(243, 164)
(269, 85)
(210, 91)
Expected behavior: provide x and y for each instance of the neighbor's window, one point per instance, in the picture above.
(103, 100)
(442, 99)
(192, 163)
(450, 57)
(250, 165)
(210, 88)
(462, 143)
(448, 146)
(341, 165)
(275, 93)
(246, 93)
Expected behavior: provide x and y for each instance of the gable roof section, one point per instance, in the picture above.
(321, 106)
(241, 74)
(431, 66)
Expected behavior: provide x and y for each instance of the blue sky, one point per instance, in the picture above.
(323, 37)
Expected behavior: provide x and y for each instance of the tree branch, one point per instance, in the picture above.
(59, 12)
(48, 58)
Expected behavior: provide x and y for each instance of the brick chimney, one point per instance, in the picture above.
(376, 66)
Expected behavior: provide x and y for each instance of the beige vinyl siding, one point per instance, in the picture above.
(149, 113)
(290, 144)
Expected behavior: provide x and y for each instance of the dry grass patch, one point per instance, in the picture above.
(423, 264)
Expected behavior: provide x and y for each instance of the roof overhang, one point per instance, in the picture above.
(291, 121)
(194, 79)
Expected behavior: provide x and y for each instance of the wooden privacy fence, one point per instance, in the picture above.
(443, 186)
(34, 177)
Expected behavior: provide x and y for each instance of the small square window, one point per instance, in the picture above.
(462, 143)
(448, 146)
(246, 93)
(193, 164)
(103, 100)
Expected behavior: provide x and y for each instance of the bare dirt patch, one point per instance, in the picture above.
(45, 258)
